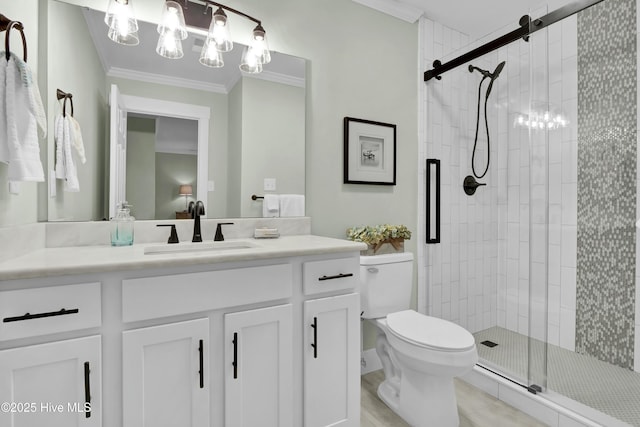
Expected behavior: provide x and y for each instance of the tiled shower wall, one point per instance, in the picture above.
(607, 160)
(461, 271)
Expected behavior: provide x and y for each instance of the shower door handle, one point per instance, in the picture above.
(433, 236)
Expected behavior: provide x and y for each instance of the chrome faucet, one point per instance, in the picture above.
(196, 209)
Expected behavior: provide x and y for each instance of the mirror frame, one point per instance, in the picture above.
(156, 107)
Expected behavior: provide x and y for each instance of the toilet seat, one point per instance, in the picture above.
(429, 332)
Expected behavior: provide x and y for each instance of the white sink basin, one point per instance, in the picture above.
(200, 247)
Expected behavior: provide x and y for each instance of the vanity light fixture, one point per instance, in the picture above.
(172, 30)
(123, 27)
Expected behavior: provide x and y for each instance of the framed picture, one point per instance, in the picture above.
(369, 152)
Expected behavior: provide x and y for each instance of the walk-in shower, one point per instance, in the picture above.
(543, 262)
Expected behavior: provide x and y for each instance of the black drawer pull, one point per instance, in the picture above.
(235, 355)
(28, 316)
(337, 276)
(87, 391)
(201, 371)
(314, 325)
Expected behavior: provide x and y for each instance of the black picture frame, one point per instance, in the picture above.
(369, 152)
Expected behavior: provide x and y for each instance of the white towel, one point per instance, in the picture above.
(291, 205)
(271, 206)
(24, 116)
(76, 138)
(65, 166)
(4, 141)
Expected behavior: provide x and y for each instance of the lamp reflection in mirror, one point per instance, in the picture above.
(169, 46)
(210, 56)
(172, 21)
(186, 191)
(123, 27)
(250, 61)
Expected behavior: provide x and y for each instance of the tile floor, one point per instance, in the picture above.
(607, 388)
(476, 408)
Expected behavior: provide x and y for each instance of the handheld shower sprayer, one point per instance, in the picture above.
(492, 77)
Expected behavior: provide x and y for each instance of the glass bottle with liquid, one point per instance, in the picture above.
(122, 226)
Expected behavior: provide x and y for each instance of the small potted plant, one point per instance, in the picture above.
(382, 239)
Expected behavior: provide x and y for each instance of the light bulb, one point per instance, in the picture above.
(169, 46)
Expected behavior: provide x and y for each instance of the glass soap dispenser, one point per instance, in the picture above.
(122, 226)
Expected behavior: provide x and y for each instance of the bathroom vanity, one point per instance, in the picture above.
(255, 333)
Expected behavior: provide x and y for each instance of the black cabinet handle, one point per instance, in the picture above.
(235, 355)
(201, 371)
(337, 276)
(87, 390)
(314, 325)
(436, 238)
(28, 316)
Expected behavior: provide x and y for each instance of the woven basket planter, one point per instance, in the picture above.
(389, 246)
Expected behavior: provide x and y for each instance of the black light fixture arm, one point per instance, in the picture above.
(209, 4)
(523, 32)
(230, 9)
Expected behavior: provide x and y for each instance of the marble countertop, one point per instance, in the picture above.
(62, 261)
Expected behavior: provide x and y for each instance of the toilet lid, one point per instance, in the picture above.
(427, 331)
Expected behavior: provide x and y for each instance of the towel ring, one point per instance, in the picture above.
(18, 26)
(60, 95)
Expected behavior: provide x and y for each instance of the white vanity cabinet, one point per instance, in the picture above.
(218, 340)
(165, 375)
(54, 385)
(258, 374)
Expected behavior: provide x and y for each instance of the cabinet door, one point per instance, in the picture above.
(165, 375)
(331, 361)
(49, 384)
(258, 367)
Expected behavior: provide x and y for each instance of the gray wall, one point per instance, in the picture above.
(87, 84)
(141, 167)
(234, 180)
(273, 127)
(172, 170)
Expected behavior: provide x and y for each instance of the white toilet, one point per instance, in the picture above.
(420, 354)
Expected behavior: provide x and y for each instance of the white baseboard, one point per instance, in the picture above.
(370, 361)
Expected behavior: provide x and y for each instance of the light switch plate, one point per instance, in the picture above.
(269, 184)
(211, 186)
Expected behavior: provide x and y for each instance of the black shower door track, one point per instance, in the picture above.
(527, 27)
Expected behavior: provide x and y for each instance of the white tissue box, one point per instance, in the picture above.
(266, 233)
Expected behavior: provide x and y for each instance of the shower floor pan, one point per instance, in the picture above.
(607, 388)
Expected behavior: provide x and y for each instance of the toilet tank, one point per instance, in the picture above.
(385, 284)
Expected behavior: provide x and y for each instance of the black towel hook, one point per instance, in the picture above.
(6, 25)
(63, 95)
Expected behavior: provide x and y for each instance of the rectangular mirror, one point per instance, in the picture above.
(230, 133)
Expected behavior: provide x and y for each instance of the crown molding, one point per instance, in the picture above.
(395, 8)
(278, 78)
(165, 80)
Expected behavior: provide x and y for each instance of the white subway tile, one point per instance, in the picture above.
(568, 288)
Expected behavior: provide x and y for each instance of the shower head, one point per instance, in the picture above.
(494, 76)
(487, 74)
